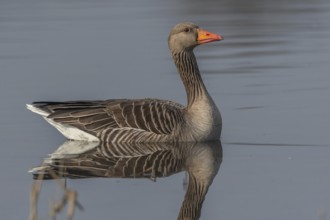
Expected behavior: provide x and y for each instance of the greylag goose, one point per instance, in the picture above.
(76, 159)
(146, 120)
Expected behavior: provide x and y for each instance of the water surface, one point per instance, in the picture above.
(269, 77)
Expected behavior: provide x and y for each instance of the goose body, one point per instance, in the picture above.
(146, 120)
(201, 161)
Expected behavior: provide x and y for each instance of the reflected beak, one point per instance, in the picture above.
(206, 37)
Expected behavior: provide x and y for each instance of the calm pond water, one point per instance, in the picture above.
(270, 78)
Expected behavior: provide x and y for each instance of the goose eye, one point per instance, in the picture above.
(186, 30)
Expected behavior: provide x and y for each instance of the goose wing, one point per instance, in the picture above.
(150, 115)
(124, 160)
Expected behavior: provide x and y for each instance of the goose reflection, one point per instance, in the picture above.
(201, 161)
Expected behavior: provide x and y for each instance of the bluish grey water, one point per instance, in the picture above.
(270, 78)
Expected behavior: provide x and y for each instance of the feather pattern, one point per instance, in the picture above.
(119, 121)
(144, 120)
(201, 161)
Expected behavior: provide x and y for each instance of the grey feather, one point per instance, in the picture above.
(144, 120)
(140, 160)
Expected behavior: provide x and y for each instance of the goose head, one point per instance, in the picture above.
(186, 36)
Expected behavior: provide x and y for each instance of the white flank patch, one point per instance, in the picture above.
(71, 149)
(38, 169)
(71, 132)
(68, 131)
(36, 110)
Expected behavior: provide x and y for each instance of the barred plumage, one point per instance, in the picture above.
(140, 160)
(146, 120)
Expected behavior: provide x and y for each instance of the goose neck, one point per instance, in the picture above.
(194, 198)
(186, 64)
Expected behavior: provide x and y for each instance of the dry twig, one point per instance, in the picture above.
(69, 198)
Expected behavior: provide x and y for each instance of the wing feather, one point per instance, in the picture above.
(150, 115)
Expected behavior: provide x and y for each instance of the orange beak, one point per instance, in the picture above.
(206, 37)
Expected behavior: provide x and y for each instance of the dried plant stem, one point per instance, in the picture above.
(69, 198)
